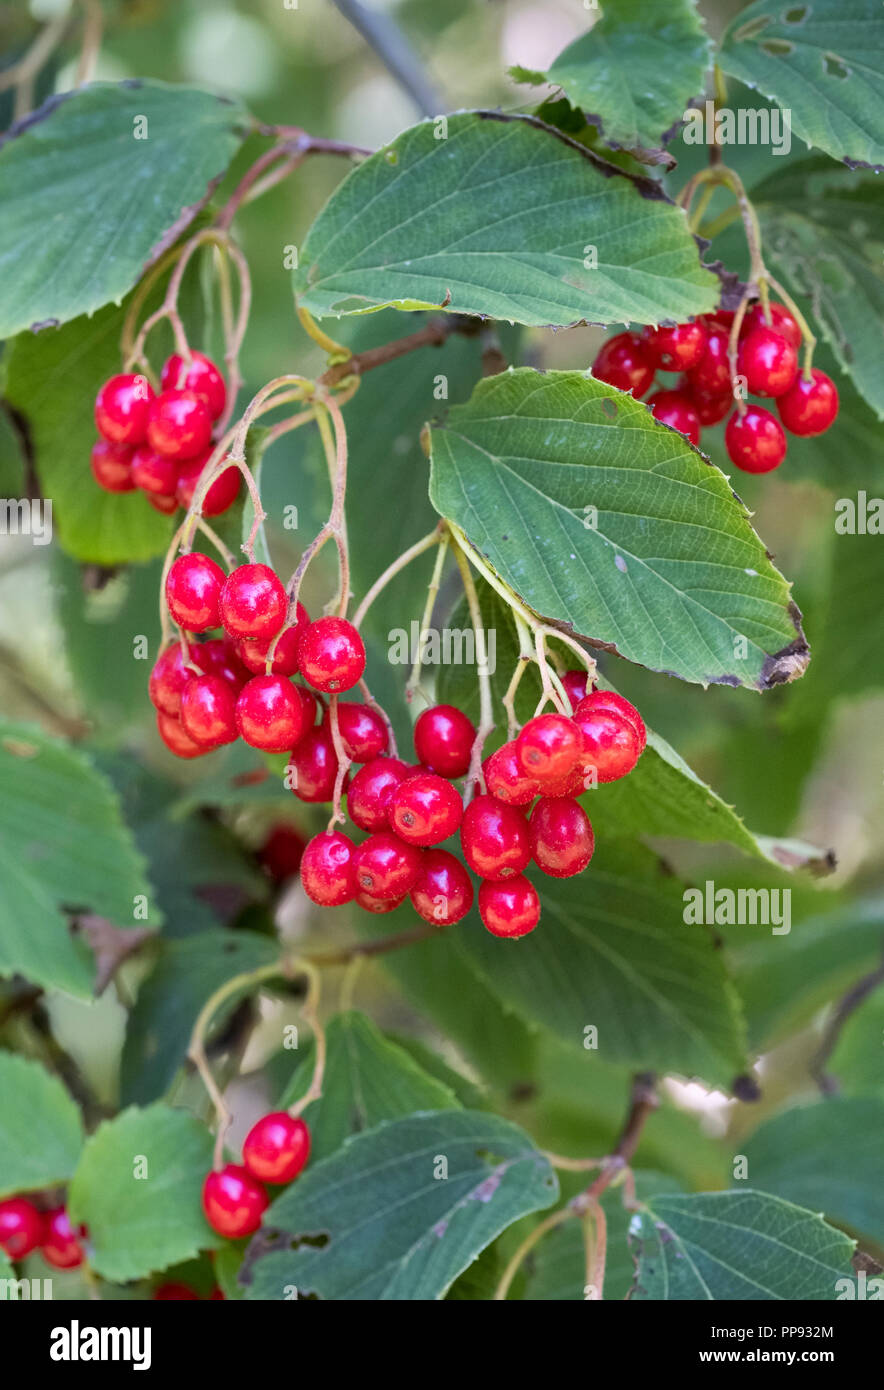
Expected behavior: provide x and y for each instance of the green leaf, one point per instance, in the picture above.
(636, 70)
(62, 844)
(736, 1245)
(613, 952)
(367, 1079)
(856, 1061)
(821, 61)
(460, 218)
(41, 1132)
(827, 1157)
(397, 1229)
(185, 976)
(612, 526)
(80, 169)
(137, 1190)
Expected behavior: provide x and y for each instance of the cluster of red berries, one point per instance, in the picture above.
(409, 810)
(767, 358)
(209, 693)
(25, 1228)
(275, 1150)
(160, 443)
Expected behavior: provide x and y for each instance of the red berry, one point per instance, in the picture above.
(327, 869)
(253, 602)
(443, 891)
(208, 706)
(494, 838)
(369, 794)
(425, 809)
(270, 714)
(176, 740)
(331, 655)
(253, 651)
(221, 495)
(612, 743)
(781, 321)
(154, 473)
(171, 1293)
(179, 425)
(122, 408)
(809, 407)
(677, 347)
(505, 778)
(202, 377)
(712, 374)
(443, 740)
(168, 678)
(163, 502)
(711, 410)
(386, 867)
(755, 441)
(719, 318)
(549, 747)
(218, 657)
(622, 361)
(676, 409)
(610, 700)
(575, 683)
(111, 466)
(276, 1148)
(767, 361)
(60, 1245)
(193, 588)
(562, 841)
(233, 1201)
(282, 852)
(509, 909)
(362, 731)
(313, 766)
(377, 905)
(21, 1227)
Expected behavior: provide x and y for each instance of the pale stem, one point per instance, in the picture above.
(474, 776)
(337, 816)
(553, 691)
(528, 1244)
(399, 564)
(807, 335)
(370, 700)
(310, 1012)
(595, 1236)
(413, 683)
(334, 527)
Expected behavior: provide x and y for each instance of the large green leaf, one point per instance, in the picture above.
(62, 844)
(823, 61)
(109, 175)
(736, 1245)
(41, 1132)
(405, 1208)
(636, 70)
(367, 1079)
(856, 1061)
(495, 214)
(827, 1157)
(611, 525)
(137, 1190)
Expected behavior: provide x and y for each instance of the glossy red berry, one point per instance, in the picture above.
(425, 809)
(253, 651)
(193, 589)
(443, 891)
(623, 362)
(386, 867)
(220, 496)
(755, 441)
(328, 872)
(506, 779)
(166, 503)
(719, 318)
(253, 602)
(494, 838)
(175, 1293)
(282, 852)
(809, 407)
(153, 472)
(60, 1246)
(201, 377)
(176, 740)
(313, 766)
(767, 361)
(711, 410)
(218, 657)
(781, 321)
(208, 711)
(233, 1201)
(276, 1148)
(677, 347)
(509, 909)
(331, 655)
(377, 906)
(677, 410)
(443, 740)
(361, 729)
(712, 374)
(21, 1227)
(270, 714)
(168, 678)
(549, 747)
(612, 743)
(178, 425)
(611, 701)
(369, 793)
(111, 466)
(122, 408)
(562, 841)
(575, 683)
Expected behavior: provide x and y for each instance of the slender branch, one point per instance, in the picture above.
(310, 1012)
(413, 683)
(399, 564)
(533, 1237)
(395, 52)
(433, 334)
(474, 776)
(856, 995)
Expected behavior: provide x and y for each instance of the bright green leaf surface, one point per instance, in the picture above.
(41, 1132)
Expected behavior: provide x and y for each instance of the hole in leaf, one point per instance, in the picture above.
(609, 407)
(753, 28)
(778, 48)
(796, 16)
(317, 1242)
(834, 67)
